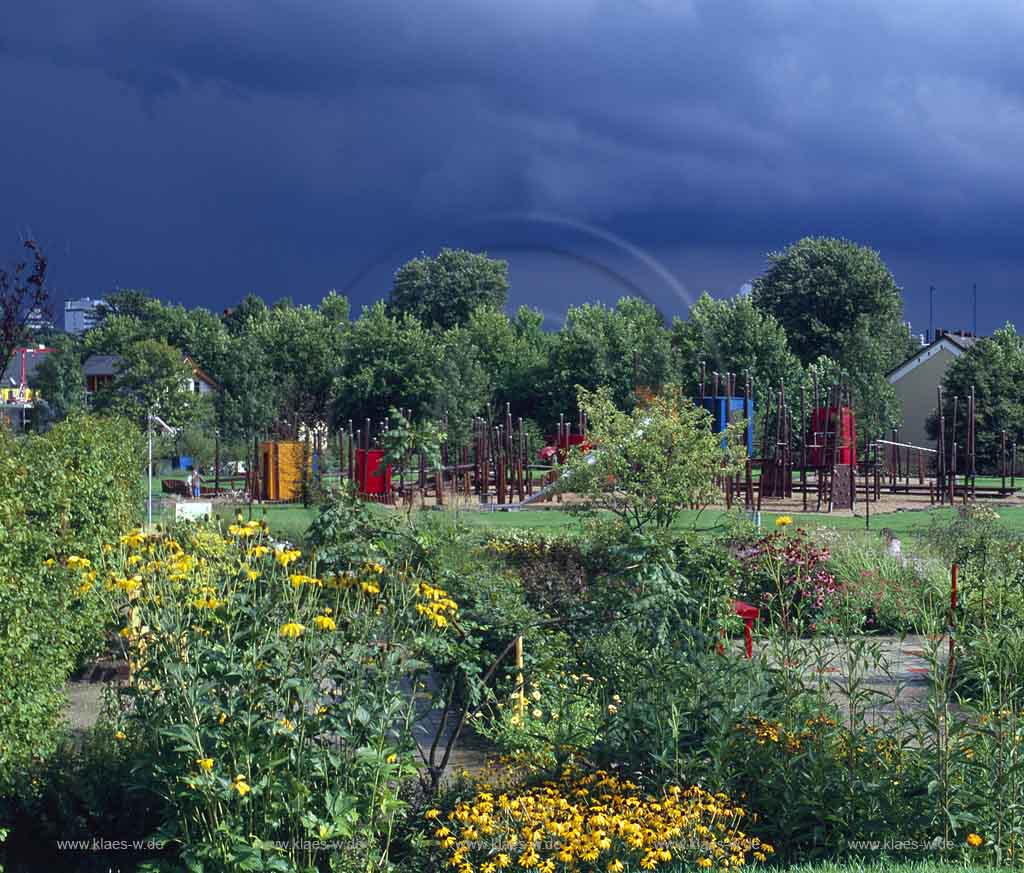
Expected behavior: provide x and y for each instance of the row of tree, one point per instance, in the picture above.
(443, 343)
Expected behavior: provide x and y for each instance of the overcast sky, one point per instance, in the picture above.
(206, 149)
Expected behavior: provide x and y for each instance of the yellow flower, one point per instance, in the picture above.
(78, 563)
(324, 623)
(241, 786)
(287, 725)
(292, 630)
(392, 758)
(207, 601)
(205, 764)
(783, 521)
(258, 551)
(285, 557)
(615, 866)
(432, 814)
(223, 717)
(120, 736)
(974, 840)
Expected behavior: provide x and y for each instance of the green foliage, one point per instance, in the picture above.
(445, 290)
(828, 294)
(153, 377)
(621, 349)
(301, 346)
(86, 791)
(59, 379)
(994, 367)
(652, 462)
(61, 496)
(732, 336)
(388, 362)
(404, 438)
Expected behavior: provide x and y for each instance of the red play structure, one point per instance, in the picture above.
(826, 423)
(372, 475)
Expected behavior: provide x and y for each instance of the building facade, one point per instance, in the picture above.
(80, 314)
(917, 379)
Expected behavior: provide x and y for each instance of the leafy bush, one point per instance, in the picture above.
(787, 576)
(264, 697)
(62, 495)
(653, 462)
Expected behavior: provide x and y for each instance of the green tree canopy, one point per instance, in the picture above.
(994, 366)
(621, 348)
(444, 291)
(828, 294)
(387, 361)
(153, 377)
(732, 336)
(59, 378)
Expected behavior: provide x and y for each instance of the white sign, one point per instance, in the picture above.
(193, 510)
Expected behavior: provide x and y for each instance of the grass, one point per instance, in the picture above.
(883, 866)
(290, 520)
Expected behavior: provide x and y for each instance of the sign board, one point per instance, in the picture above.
(193, 510)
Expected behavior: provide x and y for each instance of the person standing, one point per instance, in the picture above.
(197, 484)
(189, 481)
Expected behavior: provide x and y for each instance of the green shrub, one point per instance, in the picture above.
(62, 495)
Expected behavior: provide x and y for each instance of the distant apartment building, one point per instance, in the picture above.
(80, 314)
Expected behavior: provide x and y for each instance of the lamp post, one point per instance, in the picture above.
(149, 469)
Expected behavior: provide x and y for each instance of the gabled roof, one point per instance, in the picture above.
(955, 344)
(101, 365)
(201, 374)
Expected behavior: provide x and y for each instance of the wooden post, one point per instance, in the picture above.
(520, 687)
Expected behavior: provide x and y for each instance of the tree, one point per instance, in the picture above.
(303, 349)
(994, 367)
(443, 291)
(464, 386)
(59, 379)
(387, 361)
(623, 348)
(830, 293)
(649, 464)
(153, 377)
(732, 336)
(22, 291)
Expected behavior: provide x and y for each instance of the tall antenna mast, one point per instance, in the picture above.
(974, 329)
(931, 313)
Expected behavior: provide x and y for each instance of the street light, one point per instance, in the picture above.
(167, 429)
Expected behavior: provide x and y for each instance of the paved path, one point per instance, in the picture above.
(893, 673)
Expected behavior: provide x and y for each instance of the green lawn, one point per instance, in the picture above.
(291, 520)
(883, 866)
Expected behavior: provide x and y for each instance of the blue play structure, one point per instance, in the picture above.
(718, 407)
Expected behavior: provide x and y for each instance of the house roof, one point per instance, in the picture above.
(12, 372)
(201, 374)
(101, 365)
(955, 344)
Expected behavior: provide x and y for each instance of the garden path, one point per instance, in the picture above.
(894, 673)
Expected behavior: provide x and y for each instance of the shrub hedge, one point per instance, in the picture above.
(62, 495)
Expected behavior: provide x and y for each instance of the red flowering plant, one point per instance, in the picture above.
(786, 576)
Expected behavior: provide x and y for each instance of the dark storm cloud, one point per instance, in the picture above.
(293, 146)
